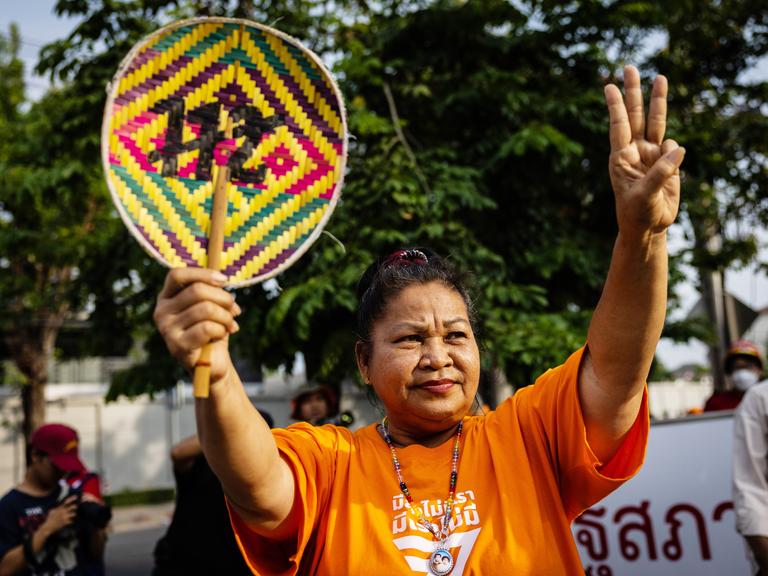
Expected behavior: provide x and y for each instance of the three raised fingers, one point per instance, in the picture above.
(626, 113)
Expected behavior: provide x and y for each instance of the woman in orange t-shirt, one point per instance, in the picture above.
(431, 489)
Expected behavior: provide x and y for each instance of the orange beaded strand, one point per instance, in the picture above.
(443, 533)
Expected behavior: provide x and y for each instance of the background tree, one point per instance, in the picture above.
(478, 128)
(460, 144)
(721, 112)
(717, 109)
(55, 226)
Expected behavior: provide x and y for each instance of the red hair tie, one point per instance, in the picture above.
(406, 258)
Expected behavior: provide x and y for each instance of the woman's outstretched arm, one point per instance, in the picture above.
(627, 324)
(192, 310)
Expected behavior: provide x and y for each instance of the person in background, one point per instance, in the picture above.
(200, 538)
(315, 404)
(49, 526)
(318, 404)
(750, 457)
(743, 366)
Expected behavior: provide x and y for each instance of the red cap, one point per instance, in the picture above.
(60, 443)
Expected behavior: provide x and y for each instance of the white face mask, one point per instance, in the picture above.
(744, 378)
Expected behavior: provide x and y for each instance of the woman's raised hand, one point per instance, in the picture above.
(644, 168)
(194, 309)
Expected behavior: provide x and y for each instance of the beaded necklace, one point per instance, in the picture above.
(441, 560)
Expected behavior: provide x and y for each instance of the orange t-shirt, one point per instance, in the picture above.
(525, 472)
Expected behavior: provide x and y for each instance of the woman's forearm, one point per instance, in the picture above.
(241, 450)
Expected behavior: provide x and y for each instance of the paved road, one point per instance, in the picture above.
(130, 553)
(134, 532)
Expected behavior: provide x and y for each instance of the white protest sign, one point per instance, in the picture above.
(676, 516)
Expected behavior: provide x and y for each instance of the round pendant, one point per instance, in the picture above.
(440, 562)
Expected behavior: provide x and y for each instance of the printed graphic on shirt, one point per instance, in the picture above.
(417, 543)
(59, 554)
(32, 519)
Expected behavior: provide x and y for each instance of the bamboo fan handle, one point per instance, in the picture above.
(202, 379)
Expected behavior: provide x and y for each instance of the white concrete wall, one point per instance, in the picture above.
(677, 398)
(128, 442)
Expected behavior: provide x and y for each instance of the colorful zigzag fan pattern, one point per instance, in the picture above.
(164, 140)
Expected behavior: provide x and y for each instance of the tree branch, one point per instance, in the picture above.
(401, 137)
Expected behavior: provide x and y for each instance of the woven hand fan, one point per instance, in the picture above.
(224, 144)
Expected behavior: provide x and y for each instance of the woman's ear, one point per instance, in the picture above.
(362, 355)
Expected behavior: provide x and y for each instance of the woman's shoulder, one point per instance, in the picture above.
(553, 385)
(327, 435)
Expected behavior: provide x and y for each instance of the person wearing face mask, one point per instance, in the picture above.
(743, 366)
(750, 459)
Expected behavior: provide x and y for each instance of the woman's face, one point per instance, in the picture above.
(314, 408)
(422, 359)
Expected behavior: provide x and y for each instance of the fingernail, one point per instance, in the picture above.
(235, 327)
(676, 155)
(219, 277)
(237, 310)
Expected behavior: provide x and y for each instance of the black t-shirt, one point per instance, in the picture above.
(200, 538)
(20, 517)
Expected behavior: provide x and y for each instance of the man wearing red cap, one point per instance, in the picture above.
(47, 527)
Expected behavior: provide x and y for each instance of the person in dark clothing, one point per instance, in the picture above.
(200, 539)
(49, 526)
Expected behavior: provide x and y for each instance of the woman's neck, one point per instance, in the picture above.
(403, 437)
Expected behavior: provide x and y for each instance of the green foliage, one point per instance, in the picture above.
(720, 116)
(11, 82)
(145, 497)
(478, 128)
(460, 146)
(59, 232)
(55, 222)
